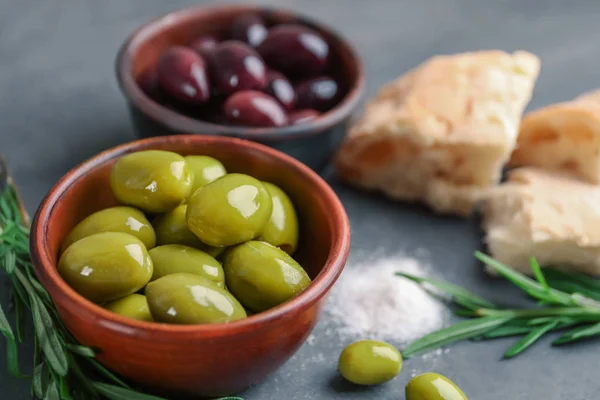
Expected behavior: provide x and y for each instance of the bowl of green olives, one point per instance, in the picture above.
(259, 73)
(195, 265)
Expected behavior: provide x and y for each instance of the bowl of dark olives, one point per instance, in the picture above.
(195, 265)
(256, 73)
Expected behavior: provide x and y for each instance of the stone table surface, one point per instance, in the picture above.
(59, 105)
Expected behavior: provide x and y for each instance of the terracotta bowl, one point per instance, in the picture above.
(312, 143)
(205, 360)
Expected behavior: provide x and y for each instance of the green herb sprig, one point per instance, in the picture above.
(63, 368)
(566, 300)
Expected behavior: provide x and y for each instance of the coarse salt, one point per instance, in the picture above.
(370, 302)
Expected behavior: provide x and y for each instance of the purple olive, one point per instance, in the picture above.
(295, 50)
(147, 81)
(249, 28)
(280, 87)
(182, 75)
(204, 45)
(235, 66)
(319, 93)
(302, 116)
(252, 108)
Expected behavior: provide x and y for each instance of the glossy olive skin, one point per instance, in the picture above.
(235, 66)
(432, 386)
(172, 228)
(147, 80)
(114, 219)
(252, 108)
(369, 362)
(183, 75)
(204, 45)
(106, 266)
(191, 299)
(230, 210)
(153, 180)
(302, 116)
(321, 93)
(249, 28)
(133, 306)
(261, 276)
(295, 50)
(282, 228)
(205, 169)
(280, 88)
(175, 258)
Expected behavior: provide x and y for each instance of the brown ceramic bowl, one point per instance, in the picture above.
(312, 143)
(206, 360)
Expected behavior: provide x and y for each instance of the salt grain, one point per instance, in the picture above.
(370, 302)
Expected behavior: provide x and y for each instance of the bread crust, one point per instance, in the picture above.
(449, 123)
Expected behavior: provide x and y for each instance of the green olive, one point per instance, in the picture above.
(369, 362)
(191, 299)
(114, 219)
(152, 180)
(133, 306)
(106, 266)
(174, 258)
(171, 228)
(432, 386)
(282, 228)
(206, 169)
(230, 210)
(261, 276)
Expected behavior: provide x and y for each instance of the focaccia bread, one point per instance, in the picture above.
(563, 136)
(550, 215)
(442, 132)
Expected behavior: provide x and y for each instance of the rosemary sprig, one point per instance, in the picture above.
(568, 300)
(63, 368)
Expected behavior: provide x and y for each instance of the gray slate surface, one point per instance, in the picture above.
(59, 105)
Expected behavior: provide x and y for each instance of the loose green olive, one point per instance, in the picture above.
(282, 228)
(133, 306)
(152, 180)
(171, 228)
(191, 299)
(432, 386)
(369, 362)
(106, 266)
(114, 219)
(230, 210)
(206, 169)
(174, 258)
(261, 276)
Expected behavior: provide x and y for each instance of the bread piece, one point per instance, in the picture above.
(552, 216)
(563, 136)
(442, 132)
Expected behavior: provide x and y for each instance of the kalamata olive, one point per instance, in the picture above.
(235, 66)
(318, 93)
(249, 28)
(146, 80)
(280, 87)
(295, 50)
(252, 108)
(204, 45)
(302, 116)
(182, 74)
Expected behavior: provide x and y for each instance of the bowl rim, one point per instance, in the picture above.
(182, 123)
(47, 272)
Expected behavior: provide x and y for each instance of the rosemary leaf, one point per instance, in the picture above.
(48, 339)
(39, 381)
(579, 278)
(583, 332)
(537, 272)
(459, 331)
(529, 339)
(533, 288)
(574, 287)
(52, 392)
(12, 357)
(461, 295)
(118, 393)
(19, 318)
(83, 351)
(505, 331)
(65, 392)
(10, 262)
(107, 374)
